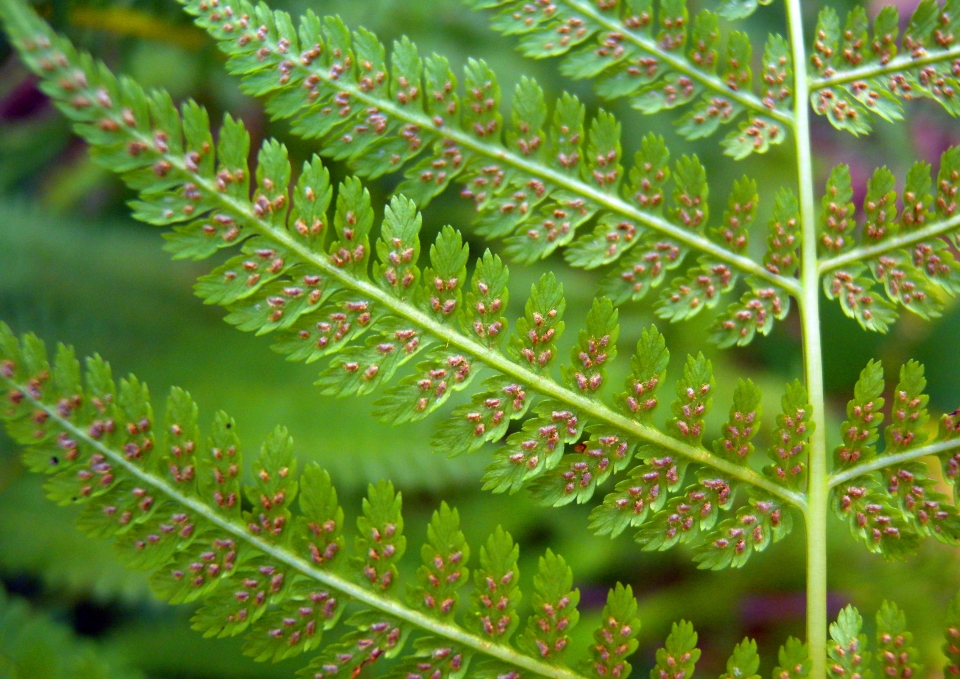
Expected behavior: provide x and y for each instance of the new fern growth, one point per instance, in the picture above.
(386, 314)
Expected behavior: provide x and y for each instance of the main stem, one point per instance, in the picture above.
(809, 304)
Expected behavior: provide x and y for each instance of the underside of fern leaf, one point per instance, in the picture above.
(862, 75)
(305, 275)
(656, 56)
(275, 570)
(542, 182)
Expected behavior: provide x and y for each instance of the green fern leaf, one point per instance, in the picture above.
(595, 349)
(275, 576)
(616, 639)
(311, 286)
(735, 443)
(578, 474)
(644, 491)
(619, 49)
(848, 647)
(648, 367)
(951, 648)
(793, 660)
(865, 416)
(531, 183)
(497, 591)
(380, 535)
(744, 661)
(694, 399)
(687, 517)
(795, 426)
(894, 653)
(735, 539)
(862, 76)
(679, 655)
(444, 571)
(554, 610)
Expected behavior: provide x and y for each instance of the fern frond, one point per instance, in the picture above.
(860, 75)
(890, 511)
(658, 65)
(534, 181)
(276, 572)
(909, 257)
(315, 292)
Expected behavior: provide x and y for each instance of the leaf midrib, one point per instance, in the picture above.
(495, 360)
(900, 62)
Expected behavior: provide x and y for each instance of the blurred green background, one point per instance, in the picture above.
(75, 268)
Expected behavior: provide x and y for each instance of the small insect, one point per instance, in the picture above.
(955, 413)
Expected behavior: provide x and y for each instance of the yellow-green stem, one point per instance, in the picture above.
(809, 305)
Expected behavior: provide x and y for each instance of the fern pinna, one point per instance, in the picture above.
(172, 499)
(382, 312)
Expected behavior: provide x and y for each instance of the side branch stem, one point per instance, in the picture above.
(895, 65)
(900, 241)
(331, 579)
(884, 461)
(817, 489)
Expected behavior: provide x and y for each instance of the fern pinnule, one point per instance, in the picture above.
(658, 65)
(895, 655)
(316, 293)
(534, 183)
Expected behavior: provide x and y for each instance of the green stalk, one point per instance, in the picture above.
(809, 307)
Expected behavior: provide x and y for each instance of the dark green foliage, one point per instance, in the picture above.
(35, 646)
